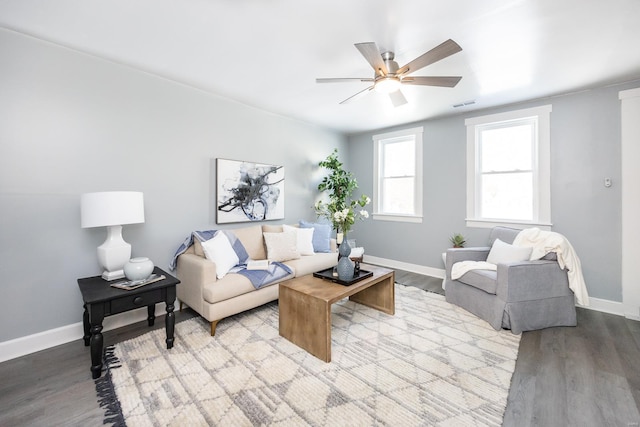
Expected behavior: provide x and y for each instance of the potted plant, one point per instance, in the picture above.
(340, 210)
(457, 240)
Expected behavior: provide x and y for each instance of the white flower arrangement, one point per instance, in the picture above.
(343, 219)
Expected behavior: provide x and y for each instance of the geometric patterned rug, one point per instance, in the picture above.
(431, 363)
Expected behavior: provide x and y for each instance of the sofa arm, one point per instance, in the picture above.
(194, 272)
(531, 280)
(464, 254)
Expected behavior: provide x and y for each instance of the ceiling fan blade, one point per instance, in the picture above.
(344, 79)
(439, 52)
(449, 81)
(372, 54)
(357, 95)
(397, 98)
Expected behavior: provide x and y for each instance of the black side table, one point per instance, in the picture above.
(101, 300)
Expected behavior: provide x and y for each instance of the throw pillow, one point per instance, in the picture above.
(321, 235)
(304, 238)
(504, 253)
(219, 250)
(281, 246)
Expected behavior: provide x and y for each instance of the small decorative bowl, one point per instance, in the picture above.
(138, 268)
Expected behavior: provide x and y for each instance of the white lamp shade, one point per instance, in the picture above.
(111, 208)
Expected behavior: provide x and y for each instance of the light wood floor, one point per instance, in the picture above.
(583, 376)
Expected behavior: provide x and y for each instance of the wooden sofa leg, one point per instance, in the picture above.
(180, 305)
(213, 327)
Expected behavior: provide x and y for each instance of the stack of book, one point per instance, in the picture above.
(133, 284)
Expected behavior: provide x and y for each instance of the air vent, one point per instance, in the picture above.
(464, 104)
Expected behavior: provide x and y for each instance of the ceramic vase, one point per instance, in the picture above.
(345, 265)
(138, 268)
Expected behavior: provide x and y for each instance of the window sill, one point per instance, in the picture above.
(397, 218)
(488, 223)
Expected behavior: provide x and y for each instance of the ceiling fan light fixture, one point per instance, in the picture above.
(387, 85)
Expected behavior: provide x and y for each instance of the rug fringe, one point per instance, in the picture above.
(107, 398)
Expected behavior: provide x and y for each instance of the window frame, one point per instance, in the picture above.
(541, 167)
(378, 141)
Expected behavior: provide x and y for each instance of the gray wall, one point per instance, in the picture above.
(71, 123)
(585, 149)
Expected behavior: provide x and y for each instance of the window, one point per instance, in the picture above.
(397, 168)
(508, 169)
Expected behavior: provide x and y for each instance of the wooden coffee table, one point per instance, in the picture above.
(305, 306)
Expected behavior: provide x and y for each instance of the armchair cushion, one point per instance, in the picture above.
(485, 280)
(504, 253)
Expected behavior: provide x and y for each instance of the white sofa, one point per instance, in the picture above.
(214, 299)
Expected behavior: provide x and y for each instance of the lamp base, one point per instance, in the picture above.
(113, 254)
(112, 275)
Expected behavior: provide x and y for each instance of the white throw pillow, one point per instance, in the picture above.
(304, 238)
(281, 246)
(504, 253)
(219, 250)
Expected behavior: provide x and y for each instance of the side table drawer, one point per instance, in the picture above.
(134, 301)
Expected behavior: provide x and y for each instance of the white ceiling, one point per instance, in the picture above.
(267, 53)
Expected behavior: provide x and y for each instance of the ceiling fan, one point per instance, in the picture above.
(389, 76)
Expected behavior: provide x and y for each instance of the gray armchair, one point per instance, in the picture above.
(521, 296)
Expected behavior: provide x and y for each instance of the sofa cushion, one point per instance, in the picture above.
(251, 238)
(311, 264)
(219, 250)
(485, 280)
(504, 253)
(231, 286)
(281, 246)
(321, 235)
(268, 228)
(304, 238)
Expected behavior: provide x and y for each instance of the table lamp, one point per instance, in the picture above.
(112, 209)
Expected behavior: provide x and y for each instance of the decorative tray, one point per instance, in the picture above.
(328, 275)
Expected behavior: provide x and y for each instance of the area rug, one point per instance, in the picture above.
(431, 364)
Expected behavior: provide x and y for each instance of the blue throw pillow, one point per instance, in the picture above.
(321, 235)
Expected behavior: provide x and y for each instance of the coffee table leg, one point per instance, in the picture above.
(306, 322)
(380, 296)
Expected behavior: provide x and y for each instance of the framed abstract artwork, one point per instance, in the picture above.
(248, 191)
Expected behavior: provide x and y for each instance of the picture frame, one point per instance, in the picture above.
(248, 192)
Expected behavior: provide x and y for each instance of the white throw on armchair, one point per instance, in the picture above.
(521, 296)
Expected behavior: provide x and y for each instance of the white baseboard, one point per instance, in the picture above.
(604, 306)
(46, 339)
(607, 306)
(414, 268)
